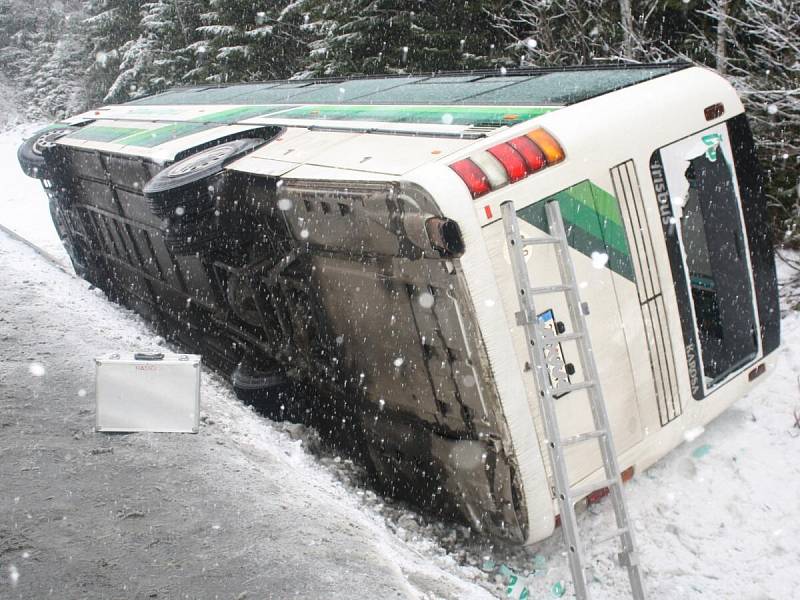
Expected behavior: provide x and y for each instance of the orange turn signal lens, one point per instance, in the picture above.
(551, 149)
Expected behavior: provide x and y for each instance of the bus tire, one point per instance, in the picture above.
(32, 152)
(195, 168)
(266, 388)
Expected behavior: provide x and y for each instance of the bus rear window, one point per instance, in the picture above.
(703, 225)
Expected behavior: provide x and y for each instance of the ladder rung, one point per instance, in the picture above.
(579, 492)
(549, 289)
(574, 387)
(582, 437)
(539, 241)
(564, 337)
(628, 559)
(617, 533)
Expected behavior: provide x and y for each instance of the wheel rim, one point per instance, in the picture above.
(200, 161)
(47, 140)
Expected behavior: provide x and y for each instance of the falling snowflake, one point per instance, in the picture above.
(180, 211)
(304, 234)
(447, 119)
(426, 300)
(13, 575)
(398, 362)
(532, 43)
(599, 259)
(772, 109)
(82, 393)
(284, 204)
(36, 369)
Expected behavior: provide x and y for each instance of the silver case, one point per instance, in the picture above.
(148, 395)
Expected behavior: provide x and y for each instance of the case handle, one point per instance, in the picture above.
(148, 356)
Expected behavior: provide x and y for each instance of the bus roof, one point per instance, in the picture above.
(515, 87)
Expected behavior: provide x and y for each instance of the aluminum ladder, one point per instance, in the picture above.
(542, 343)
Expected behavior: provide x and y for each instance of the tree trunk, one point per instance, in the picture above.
(182, 25)
(626, 19)
(722, 37)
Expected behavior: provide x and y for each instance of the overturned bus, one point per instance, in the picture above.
(345, 238)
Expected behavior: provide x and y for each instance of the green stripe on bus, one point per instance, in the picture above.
(593, 222)
(447, 115)
(233, 115)
(103, 133)
(601, 201)
(585, 217)
(153, 137)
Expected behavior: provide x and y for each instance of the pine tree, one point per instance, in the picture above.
(113, 27)
(402, 36)
(42, 49)
(242, 41)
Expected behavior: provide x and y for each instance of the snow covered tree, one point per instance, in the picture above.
(569, 32)
(113, 26)
(42, 50)
(402, 36)
(756, 44)
(157, 58)
(241, 40)
(765, 66)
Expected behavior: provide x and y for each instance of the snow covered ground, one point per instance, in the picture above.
(23, 204)
(717, 518)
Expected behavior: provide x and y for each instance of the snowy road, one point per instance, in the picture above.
(240, 507)
(252, 507)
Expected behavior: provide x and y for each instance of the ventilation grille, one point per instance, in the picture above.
(478, 131)
(651, 301)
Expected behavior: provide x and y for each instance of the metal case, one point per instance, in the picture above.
(148, 392)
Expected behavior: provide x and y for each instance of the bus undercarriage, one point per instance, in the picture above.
(340, 306)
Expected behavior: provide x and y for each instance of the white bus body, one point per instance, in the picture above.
(391, 281)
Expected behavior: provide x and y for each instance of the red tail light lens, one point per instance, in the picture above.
(532, 154)
(470, 173)
(511, 160)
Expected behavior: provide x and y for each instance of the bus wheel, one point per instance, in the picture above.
(197, 167)
(267, 389)
(31, 154)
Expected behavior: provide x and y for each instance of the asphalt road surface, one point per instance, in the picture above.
(240, 510)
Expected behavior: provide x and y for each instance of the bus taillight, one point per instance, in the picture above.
(508, 162)
(551, 148)
(470, 173)
(512, 161)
